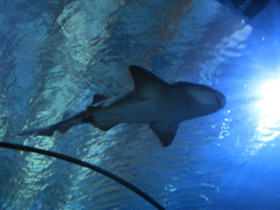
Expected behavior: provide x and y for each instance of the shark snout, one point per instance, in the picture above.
(221, 100)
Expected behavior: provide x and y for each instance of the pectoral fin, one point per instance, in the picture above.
(104, 126)
(166, 131)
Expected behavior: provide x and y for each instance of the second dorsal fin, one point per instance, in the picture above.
(68, 113)
(97, 98)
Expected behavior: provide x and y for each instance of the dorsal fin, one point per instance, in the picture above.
(147, 85)
(97, 98)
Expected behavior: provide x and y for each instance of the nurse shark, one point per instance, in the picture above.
(160, 104)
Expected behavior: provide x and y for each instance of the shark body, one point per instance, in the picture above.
(163, 106)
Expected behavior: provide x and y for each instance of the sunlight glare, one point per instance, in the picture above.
(269, 106)
(270, 102)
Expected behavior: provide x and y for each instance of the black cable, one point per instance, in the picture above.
(84, 164)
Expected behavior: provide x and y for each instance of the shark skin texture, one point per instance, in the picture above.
(160, 104)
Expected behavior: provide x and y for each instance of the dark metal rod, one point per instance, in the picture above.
(84, 164)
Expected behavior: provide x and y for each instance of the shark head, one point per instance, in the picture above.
(207, 99)
(202, 99)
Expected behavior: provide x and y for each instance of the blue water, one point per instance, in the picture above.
(56, 54)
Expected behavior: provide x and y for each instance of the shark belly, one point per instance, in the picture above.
(130, 110)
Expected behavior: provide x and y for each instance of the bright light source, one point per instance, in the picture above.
(270, 103)
(269, 107)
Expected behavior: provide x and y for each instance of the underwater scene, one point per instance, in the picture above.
(140, 104)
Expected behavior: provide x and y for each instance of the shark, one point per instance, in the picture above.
(153, 101)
